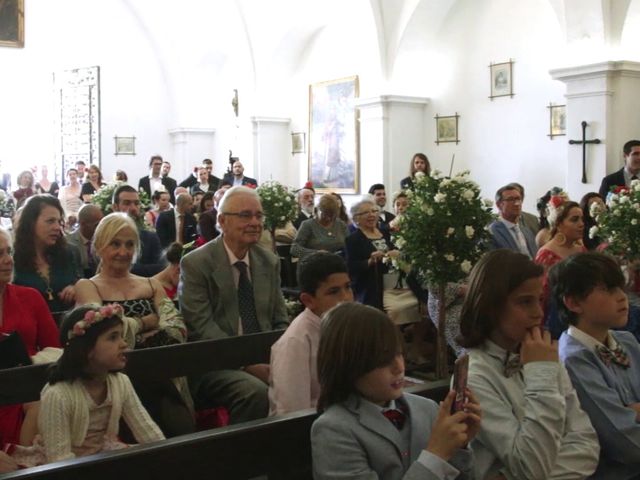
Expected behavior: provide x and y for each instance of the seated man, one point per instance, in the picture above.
(148, 263)
(228, 287)
(178, 224)
(293, 385)
(237, 178)
(630, 171)
(509, 231)
(80, 240)
(306, 196)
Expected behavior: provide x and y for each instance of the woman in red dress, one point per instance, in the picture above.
(22, 310)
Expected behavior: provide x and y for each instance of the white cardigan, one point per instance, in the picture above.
(64, 416)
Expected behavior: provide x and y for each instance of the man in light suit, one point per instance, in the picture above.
(80, 240)
(630, 171)
(214, 280)
(237, 178)
(168, 221)
(509, 231)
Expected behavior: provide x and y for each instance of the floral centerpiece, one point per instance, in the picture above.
(619, 225)
(103, 198)
(7, 207)
(442, 234)
(278, 204)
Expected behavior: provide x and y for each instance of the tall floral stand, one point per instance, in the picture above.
(442, 354)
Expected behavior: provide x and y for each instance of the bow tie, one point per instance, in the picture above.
(396, 417)
(617, 355)
(512, 364)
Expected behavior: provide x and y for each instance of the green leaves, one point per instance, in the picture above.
(278, 204)
(619, 226)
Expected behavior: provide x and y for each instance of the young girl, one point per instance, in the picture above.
(361, 375)
(533, 426)
(85, 398)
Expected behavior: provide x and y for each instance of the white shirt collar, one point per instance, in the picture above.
(590, 342)
(232, 258)
(508, 224)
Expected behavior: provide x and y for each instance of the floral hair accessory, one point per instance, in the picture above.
(92, 317)
(556, 204)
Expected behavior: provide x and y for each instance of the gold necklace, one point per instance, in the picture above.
(48, 291)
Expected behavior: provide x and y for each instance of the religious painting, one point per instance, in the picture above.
(12, 23)
(557, 120)
(447, 129)
(501, 79)
(298, 142)
(125, 145)
(334, 150)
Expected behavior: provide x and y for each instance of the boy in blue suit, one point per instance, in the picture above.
(604, 365)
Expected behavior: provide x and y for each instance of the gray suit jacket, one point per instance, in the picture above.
(80, 255)
(209, 297)
(502, 238)
(354, 440)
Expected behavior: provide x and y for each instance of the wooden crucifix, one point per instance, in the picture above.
(584, 143)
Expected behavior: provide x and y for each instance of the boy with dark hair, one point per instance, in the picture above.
(293, 383)
(604, 365)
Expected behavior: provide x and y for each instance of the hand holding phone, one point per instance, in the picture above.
(460, 375)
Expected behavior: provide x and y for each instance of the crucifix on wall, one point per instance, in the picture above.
(584, 142)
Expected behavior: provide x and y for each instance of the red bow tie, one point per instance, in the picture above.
(396, 417)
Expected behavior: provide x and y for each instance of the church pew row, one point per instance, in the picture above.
(23, 384)
(278, 447)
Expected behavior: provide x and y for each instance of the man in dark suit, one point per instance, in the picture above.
(630, 171)
(155, 181)
(168, 222)
(509, 231)
(192, 179)
(80, 240)
(229, 287)
(169, 182)
(306, 196)
(237, 178)
(127, 200)
(380, 196)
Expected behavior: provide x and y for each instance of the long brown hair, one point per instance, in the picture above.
(492, 279)
(412, 168)
(355, 339)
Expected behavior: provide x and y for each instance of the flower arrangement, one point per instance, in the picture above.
(443, 231)
(91, 317)
(619, 225)
(278, 203)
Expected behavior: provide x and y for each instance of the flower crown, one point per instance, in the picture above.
(92, 317)
(556, 205)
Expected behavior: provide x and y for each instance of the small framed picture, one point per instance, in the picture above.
(447, 129)
(501, 79)
(125, 145)
(557, 120)
(12, 23)
(298, 142)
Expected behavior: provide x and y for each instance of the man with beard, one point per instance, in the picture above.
(306, 197)
(229, 287)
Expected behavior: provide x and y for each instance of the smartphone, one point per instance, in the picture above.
(460, 375)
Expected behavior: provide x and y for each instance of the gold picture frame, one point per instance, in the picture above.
(557, 120)
(125, 145)
(447, 129)
(12, 23)
(334, 136)
(501, 75)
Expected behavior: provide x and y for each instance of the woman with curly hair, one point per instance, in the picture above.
(42, 258)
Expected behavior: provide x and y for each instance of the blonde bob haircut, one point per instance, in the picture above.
(112, 225)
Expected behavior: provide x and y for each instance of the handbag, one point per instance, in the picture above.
(13, 352)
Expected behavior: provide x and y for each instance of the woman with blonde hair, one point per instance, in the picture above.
(150, 317)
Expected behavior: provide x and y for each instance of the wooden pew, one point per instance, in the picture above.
(279, 447)
(23, 384)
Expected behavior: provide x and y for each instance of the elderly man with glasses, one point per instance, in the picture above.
(229, 287)
(509, 231)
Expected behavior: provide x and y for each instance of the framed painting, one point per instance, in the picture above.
(298, 142)
(334, 149)
(501, 75)
(447, 129)
(557, 120)
(125, 145)
(12, 23)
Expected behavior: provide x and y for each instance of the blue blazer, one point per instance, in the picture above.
(604, 391)
(502, 238)
(354, 440)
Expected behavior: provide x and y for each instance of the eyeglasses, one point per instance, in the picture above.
(373, 211)
(246, 216)
(512, 200)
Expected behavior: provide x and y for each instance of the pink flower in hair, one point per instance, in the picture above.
(106, 311)
(90, 316)
(78, 329)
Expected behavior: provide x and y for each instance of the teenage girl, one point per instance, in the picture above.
(369, 428)
(85, 398)
(533, 426)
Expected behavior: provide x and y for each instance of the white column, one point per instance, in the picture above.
(391, 130)
(272, 158)
(190, 147)
(605, 95)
